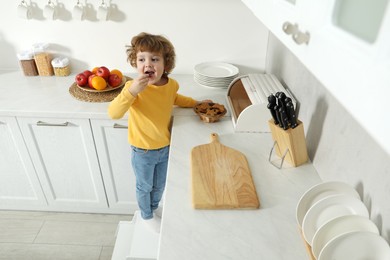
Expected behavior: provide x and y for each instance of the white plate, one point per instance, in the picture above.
(216, 69)
(320, 191)
(339, 226)
(200, 76)
(330, 208)
(214, 80)
(212, 85)
(356, 245)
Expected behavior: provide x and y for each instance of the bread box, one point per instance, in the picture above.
(247, 98)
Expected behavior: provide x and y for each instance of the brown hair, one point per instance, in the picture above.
(152, 43)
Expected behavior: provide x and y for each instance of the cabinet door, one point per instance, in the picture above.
(19, 184)
(347, 50)
(115, 162)
(64, 155)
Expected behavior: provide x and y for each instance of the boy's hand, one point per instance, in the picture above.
(139, 84)
(204, 101)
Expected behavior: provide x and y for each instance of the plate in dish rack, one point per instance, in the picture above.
(320, 191)
(356, 245)
(330, 208)
(339, 226)
(108, 88)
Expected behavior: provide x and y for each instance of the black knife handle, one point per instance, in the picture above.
(274, 115)
(271, 99)
(271, 105)
(292, 118)
(278, 116)
(281, 99)
(283, 117)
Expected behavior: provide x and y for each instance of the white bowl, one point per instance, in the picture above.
(330, 208)
(338, 226)
(320, 191)
(356, 245)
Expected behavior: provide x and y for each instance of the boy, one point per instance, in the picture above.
(150, 98)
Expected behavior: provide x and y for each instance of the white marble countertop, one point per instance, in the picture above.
(270, 232)
(49, 96)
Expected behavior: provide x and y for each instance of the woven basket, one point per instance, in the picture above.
(210, 112)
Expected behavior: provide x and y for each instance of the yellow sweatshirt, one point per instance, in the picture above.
(149, 113)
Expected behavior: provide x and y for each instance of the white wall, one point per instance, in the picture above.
(201, 30)
(338, 146)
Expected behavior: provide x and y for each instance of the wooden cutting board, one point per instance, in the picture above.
(221, 178)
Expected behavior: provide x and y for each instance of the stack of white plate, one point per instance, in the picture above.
(215, 74)
(335, 223)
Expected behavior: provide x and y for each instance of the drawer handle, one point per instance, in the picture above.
(120, 126)
(41, 123)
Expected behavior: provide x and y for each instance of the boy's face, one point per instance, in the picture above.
(151, 64)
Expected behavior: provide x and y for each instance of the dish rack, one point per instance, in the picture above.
(247, 99)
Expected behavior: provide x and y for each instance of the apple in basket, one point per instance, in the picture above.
(81, 79)
(103, 72)
(90, 80)
(114, 80)
(87, 73)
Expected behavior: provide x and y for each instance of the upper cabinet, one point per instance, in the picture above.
(361, 18)
(345, 45)
(359, 24)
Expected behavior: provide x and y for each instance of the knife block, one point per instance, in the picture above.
(290, 143)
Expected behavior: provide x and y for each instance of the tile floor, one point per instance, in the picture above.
(31, 235)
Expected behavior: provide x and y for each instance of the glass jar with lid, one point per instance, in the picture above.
(43, 59)
(27, 63)
(61, 66)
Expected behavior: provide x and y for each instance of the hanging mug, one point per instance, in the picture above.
(78, 11)
(24, 11)
(103, 12)
(50, 11)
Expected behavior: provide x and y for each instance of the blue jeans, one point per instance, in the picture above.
(150, 169)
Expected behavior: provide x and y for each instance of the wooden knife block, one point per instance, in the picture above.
(293, 140)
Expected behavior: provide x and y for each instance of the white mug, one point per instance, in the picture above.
(24, 11)
(103, 12)
(50, 12)
(79, 12)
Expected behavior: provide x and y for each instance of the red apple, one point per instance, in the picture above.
(114, 80)
(103, 72)
(81, 79)
(87, 73)
(90, 80)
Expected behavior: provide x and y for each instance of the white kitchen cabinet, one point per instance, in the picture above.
(114, 156)
(19, 185)
(347, 50)
(65, 159)
(358, 27)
